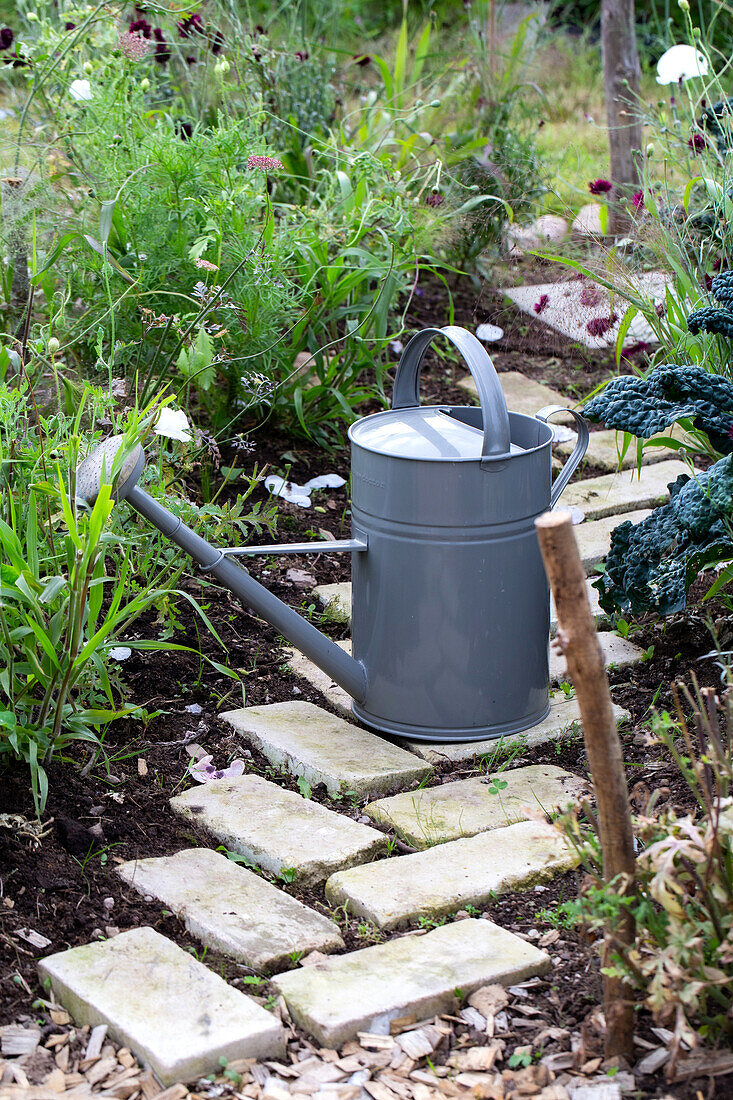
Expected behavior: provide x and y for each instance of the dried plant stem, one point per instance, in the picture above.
(579, 642)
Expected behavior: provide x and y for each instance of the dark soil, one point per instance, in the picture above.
(116, 807)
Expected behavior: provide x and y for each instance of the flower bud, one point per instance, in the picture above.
(31, 17)
(650, 150)
(434, 103)
(53, 345)
(144, 84)
(683, 4)
(222, 67)
(88, 68)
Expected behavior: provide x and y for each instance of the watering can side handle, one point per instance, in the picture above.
(578, 451)
(406, 389)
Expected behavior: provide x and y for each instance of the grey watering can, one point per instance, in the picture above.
(450, 600)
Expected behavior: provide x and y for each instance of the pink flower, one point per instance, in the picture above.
(268, 164)
(206, 266)
(134, 46)
(697, 143)
(203, 771)
(638, 200)
(543, 303)
(599, 187)
(590, 296)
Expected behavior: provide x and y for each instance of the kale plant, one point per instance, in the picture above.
(668, 395)
(652, 564)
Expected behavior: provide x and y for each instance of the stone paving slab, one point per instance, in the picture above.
(571, 305)
(434, 815)
(335, 599)
(344, 599)
(232, 910)
(277, 829)
(594, 536)
(339, 699)
(603, 451)
(308, 741)
(450, 876)
(563, 717)
(174, 1014)
(523, 394)
(411, 975)
(617, 652)
(625, 491)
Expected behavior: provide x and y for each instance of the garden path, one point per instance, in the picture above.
(459, 844)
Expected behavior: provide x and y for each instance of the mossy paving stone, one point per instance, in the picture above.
(310, 742)
(435, 815)
(232, 910)
(173, 1013)
(413, 975)
(277, 829)
(450, 876)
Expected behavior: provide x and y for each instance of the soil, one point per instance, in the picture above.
(104, 808)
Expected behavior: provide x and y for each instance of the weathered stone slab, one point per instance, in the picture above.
(410, 975)
(339, 699)
(563, 717)
(451, 876)
(572, 305)
(174, 1014)
(232, 910)
(625, 491)
(522, 394)
(323, 748)
(335, 599)
(594, 536)
(434, 815)
(617, 652)
(277, 829)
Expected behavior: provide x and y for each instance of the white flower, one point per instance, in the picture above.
(120, 653)
(80, 89)
(173, 423)
(324, 481)
(288, 490)
(680, 63)
(489, 333)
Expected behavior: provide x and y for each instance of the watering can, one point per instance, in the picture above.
(451, 605)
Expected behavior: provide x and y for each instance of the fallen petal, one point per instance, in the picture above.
(325, 481)
(120, 653)
(489, 333)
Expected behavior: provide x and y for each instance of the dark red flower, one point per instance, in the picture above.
(302, 55)
(162, 49)
(434, 199)
(599, 326)
(708, 279)
(697, 143)
(638, 199)
(543, 303)
(141, 26)
(191, 61)
(362, 59)
(6, 38)
(69, 26)
(599, 187)
(639, 348)
(192, 24)
(216, 39)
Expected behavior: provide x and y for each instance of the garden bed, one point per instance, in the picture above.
(64, 888)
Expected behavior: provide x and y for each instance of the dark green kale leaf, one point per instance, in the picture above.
(669, 393)
(652, 564)
(711, 319)
(721, 288)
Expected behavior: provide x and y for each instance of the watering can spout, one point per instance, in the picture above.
(343, 669)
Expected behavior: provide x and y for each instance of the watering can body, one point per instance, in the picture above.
(450, 603)
(450, 598)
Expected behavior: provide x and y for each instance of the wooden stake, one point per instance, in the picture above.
(578, 640)
(621, 80)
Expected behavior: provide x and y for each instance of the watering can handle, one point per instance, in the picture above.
(578, 451)
(406, 393)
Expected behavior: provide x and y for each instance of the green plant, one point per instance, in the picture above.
(288, 874)
(682, 959)
(304, 787)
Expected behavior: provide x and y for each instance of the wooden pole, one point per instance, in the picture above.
(578, 640)
(621, 77)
